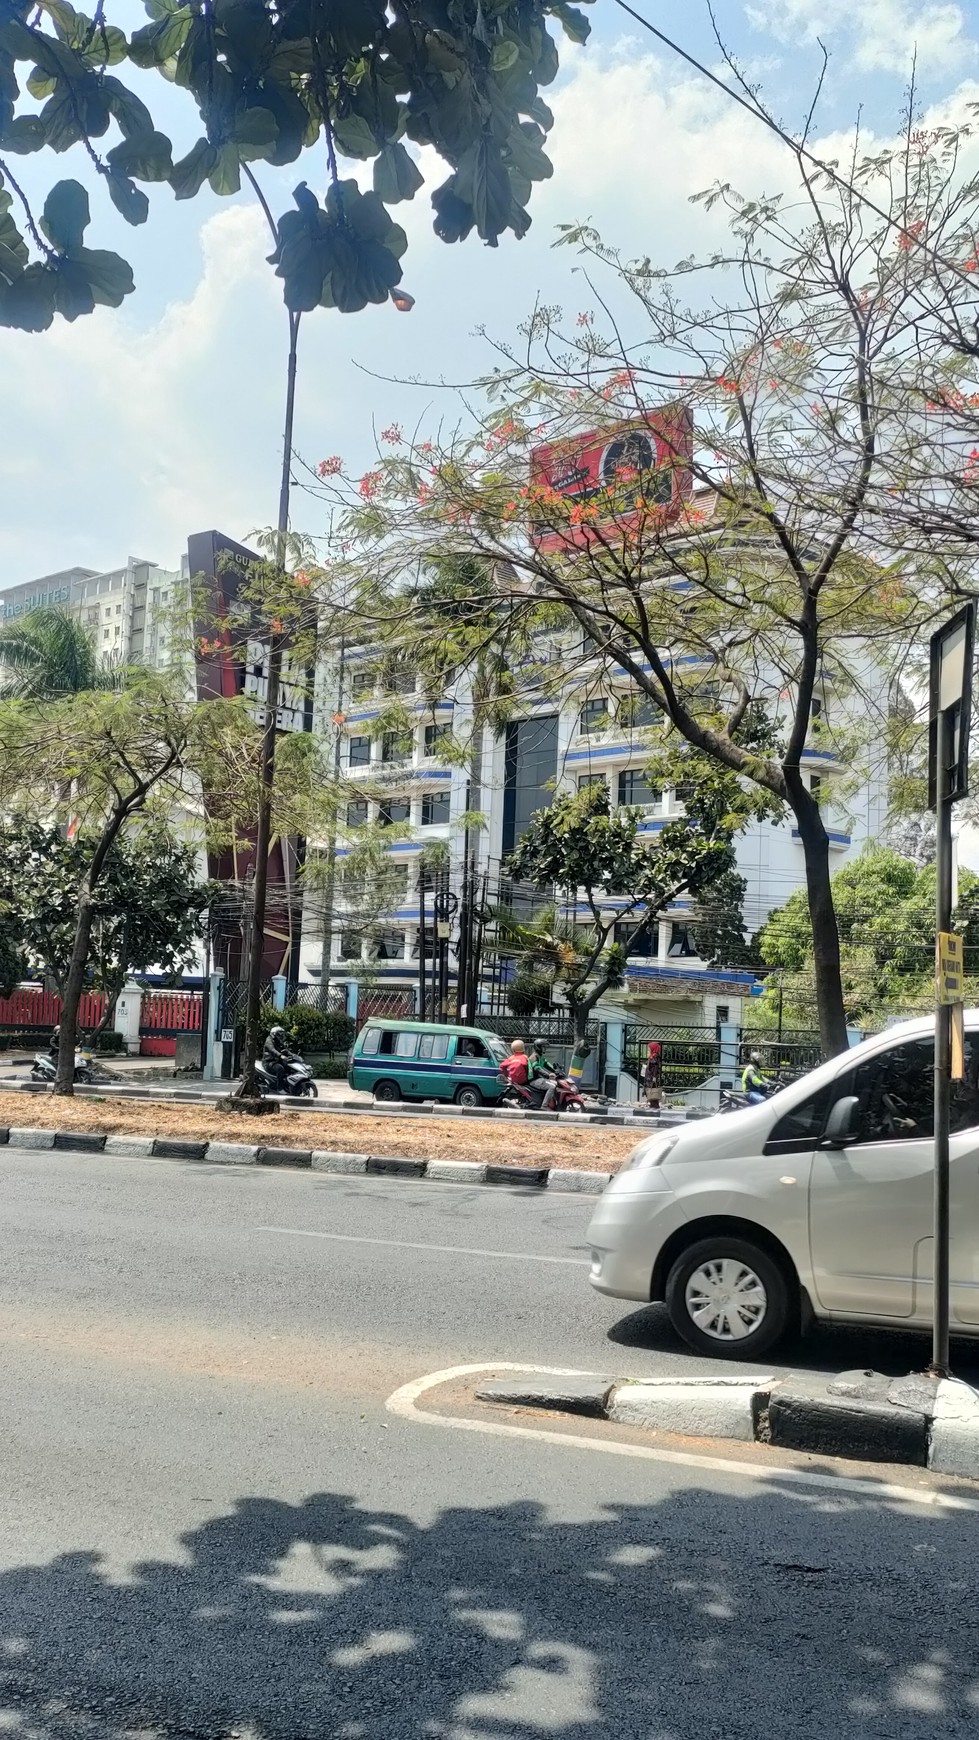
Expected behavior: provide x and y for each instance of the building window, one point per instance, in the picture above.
(816, 787)
(593, 717)
(435, 808)
(648, 945)
(636, 712)
(587, 779)
(682, 941)
(400, 680)
(816, 714)
(393, 887)
(395, 746)
(530, 766)
(350, 944)
(361, 683)
(390, 945)
(105, 634)
(395, 810)
(436, 738)
(357, 813)
(634, 789)
(359, 752)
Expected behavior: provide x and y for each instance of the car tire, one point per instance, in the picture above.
(714, 1271)
(468, 1096)
(386, 1092)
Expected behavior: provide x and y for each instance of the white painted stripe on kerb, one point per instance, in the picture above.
(303, 1232)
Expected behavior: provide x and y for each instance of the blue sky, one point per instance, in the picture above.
(129, 430)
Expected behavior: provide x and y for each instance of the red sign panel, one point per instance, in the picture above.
(627, 479)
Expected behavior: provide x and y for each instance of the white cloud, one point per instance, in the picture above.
(879, 35)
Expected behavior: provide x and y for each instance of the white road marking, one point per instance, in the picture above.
(302, 1232)
(402, 1402)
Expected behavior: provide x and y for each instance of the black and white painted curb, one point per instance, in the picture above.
(310, 1159)
(921, 1421)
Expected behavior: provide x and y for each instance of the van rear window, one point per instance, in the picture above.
(371, 1042)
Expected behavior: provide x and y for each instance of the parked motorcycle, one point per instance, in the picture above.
(297, 1082)
(45, 1067)
(529, 1099)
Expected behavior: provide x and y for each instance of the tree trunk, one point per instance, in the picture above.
(74, 985)
(825, 932)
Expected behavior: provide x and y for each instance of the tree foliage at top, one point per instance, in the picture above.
(270, 83)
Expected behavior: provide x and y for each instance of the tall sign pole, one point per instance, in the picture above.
(951, 663)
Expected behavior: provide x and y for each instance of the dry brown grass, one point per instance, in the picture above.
(589, 1148)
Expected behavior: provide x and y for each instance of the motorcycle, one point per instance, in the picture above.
(529, 1099)
(45, 1067)
(735, 1100)
(298, 1083)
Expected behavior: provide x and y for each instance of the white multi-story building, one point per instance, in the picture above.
(128, 611)
(575, 723)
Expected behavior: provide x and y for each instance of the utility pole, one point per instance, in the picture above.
(329, 891)
(950, 716)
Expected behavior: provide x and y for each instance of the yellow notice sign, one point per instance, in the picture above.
(949, 968)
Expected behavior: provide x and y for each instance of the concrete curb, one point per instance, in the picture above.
(860, 1415)
(472, 1172)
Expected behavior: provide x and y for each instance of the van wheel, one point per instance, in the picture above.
(468, 1096)
(386, 1091)
(728, 1298)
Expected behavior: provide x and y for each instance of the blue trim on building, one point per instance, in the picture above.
(668, 974)
(833, 838)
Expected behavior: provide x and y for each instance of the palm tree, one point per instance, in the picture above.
(47, 655)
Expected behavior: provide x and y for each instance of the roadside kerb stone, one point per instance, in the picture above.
(79, 1141)
(285, 1157)
(232, 1154)
(722, 1407)
(457, 1171)
(4, 1138)
(170, 1148)
(954, 1445)
(395, 1166)
(583, 1183)
(130, 1147)
(534, 1176)
(31, 1138)
(586, 1395)
(344, 1165)
(805, 1414)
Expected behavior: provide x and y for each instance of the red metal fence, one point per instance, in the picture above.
(27, 1010)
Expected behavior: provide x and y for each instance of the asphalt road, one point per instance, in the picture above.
(210, 1525)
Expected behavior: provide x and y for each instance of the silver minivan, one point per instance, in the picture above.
(815, 1204)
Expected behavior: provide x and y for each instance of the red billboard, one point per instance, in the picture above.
(627, 480)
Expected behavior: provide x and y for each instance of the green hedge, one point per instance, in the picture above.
(110, 1043)
(309, 1030)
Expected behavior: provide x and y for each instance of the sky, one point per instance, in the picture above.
(123, 433)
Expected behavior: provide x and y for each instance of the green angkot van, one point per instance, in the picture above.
(421, 1060)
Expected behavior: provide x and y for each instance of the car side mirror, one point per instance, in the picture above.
(841, 1124)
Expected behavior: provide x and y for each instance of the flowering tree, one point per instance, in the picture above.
(704, 481)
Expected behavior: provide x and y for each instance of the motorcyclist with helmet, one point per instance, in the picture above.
(275, 1056)
(755, 1085)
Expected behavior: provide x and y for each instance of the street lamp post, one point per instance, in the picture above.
(951, 662)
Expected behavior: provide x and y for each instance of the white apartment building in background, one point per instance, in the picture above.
(575, 722)
(126, 610)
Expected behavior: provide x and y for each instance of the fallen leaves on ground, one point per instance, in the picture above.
(589, 1149)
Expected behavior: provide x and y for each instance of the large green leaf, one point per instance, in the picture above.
(110, 276)
(491, 196)
(13, 248)
(128, 198)
(28, 303)
(130, 112)
(143, 156)
(576, 25)
(225, 177)
(525, 151)
(190, 174)
(162, 40)
(23, 135)
(353, 137)
(255, 134)
(396, 175)
(73, 291)
(505, 55)
(66, 216)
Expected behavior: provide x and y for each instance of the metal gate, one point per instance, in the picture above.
(691, 1055)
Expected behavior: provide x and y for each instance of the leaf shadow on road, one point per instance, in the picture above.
(709, 1613)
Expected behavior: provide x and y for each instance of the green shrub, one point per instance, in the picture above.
(331, 1069)
(309, 1030)
(109, 1043)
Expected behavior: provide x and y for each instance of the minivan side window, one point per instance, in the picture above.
(896, 1091)
(800, 1129)
(434, 1045)
(407, 1045)
(371, 1043)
